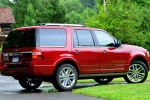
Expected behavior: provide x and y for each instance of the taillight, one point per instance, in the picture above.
(36, 54)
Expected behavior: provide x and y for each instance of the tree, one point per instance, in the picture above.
(30, 12)
(127, 21)
(72, 5)
(88, 3)
(30, 17)
(74, 17)
(77, 11)
(52, 12)
(1, 4)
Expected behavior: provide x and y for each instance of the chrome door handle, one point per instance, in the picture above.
(77, 51)
(105, 52)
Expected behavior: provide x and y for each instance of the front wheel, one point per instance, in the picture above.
(29, 83)
(65, 77)
(137, 72)
(103, 80)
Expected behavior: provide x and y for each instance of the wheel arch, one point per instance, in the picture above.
(138, 71)
(67, 61)
(140, 58)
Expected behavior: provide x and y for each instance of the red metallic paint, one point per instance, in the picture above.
(88, 59)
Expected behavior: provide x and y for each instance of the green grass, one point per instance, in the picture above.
(49, 89)
(113, 91)
(86, 81)
(118, 91)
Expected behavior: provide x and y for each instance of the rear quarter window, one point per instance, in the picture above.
(52, 37)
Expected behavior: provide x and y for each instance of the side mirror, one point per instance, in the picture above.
(118, 44)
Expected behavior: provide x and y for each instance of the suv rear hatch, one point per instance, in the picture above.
(18, 47)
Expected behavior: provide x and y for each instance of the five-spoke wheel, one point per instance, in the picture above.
(137, 72)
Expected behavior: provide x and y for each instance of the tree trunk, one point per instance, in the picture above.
(104, 5)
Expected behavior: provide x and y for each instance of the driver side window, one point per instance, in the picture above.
(104, 39)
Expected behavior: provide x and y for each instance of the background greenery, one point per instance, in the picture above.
(127, 20)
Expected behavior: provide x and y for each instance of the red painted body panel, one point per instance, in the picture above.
(113, 59)
(88, 59)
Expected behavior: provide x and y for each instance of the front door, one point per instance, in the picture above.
(112, 58)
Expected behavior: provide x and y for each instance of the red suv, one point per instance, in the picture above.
(63, 53)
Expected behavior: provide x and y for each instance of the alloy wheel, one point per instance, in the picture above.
(67, 77)
(136, 73)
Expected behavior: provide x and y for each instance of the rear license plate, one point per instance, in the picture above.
(15, 59)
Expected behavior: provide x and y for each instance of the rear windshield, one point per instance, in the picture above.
(20, 39)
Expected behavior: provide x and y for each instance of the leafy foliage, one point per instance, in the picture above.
(127, 21)
(30, 17)
(1, 4)
(31, 12)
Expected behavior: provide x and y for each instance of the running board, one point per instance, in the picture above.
(102, 75)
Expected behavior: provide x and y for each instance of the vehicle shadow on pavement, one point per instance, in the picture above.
(84, 85)
(31, 91)
(48, 88)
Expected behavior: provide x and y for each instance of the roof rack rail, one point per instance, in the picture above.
(60, 24)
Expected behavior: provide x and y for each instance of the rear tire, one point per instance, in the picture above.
(29, 84)
(137, 73)
(103, 80)
(65, 77)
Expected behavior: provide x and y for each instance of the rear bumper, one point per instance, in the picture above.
(16, 72)
(26, 72)
(35, 69)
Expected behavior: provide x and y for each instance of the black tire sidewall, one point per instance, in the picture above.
(24, 84)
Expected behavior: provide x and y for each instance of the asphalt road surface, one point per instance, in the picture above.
(11, 90)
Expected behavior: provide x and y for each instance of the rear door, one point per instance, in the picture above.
(85, 51)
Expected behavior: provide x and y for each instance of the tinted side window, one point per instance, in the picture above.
(83, 38)
(52, 37)
(75, 39)
(104, 39)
